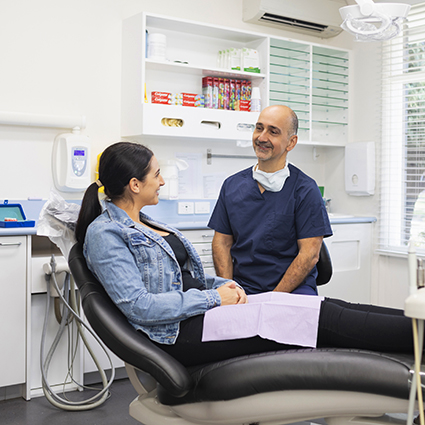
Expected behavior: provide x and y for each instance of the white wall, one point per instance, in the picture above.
(63, 58)
(58, 58)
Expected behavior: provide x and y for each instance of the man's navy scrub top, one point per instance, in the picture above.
(266, 226)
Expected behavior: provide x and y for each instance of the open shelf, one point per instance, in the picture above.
(191, 54)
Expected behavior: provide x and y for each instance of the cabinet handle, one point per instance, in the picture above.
(209, 251)
(204, 263)
(10, 243)
(207, 236)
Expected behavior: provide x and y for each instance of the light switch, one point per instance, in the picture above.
(202, 207)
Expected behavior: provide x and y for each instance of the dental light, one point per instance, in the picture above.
(369, 21)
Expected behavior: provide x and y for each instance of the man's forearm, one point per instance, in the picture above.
(294, 276)
(222, 259)
(302, 265)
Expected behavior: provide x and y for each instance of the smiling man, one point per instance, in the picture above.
(270, 219)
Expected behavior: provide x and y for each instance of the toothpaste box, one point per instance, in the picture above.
(197, 101)
(245, 105)
(189, 96)
(176, 99)
(161, 97)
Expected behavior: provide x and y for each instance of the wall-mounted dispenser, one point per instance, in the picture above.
(71, 162)
(360, 168)
(170, 173)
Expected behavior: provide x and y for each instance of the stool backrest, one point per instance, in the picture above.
(324, 266)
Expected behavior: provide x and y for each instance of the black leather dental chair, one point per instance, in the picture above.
(270, 388)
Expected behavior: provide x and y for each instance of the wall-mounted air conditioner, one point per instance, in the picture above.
(314, 17)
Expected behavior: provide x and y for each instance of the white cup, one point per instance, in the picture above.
(156, 46)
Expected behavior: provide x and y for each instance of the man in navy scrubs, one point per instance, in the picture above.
(270, 219)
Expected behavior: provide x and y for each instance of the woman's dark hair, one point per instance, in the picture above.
(118, 164)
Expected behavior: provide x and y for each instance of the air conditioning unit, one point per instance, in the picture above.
(314, 17)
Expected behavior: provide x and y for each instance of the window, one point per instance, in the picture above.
(402, 200)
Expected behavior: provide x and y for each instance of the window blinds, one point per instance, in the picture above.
(402, 200)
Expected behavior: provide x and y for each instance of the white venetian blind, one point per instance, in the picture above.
(402, 200)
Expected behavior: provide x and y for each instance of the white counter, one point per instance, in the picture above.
(165, 211)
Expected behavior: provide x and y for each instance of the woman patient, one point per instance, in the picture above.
(155, 277)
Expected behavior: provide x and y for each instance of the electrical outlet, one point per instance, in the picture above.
(186, 208)
(202, 207)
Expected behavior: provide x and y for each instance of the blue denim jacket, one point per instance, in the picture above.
(139, 271)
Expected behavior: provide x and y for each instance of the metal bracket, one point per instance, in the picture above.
(210, 156)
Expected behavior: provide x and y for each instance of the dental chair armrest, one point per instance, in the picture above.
(119, 336)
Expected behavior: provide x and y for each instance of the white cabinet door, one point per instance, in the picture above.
(13, 266)
(350, 249)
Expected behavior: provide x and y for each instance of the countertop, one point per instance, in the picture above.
(165, 211)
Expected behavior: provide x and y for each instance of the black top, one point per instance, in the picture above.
(181, 256)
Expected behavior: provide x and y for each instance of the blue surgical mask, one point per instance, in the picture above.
(273, 182)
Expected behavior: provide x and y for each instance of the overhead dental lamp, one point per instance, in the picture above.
(369, 21)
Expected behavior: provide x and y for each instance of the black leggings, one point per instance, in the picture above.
(341, 325)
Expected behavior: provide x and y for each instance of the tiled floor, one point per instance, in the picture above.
(39, 411)
(114, 411)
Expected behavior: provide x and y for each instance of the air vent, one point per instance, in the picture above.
(318, 18)
(295, 23)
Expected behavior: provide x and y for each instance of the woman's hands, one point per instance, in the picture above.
(231, 294)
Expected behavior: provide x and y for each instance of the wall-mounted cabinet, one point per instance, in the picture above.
(313, 81)
(191, 54)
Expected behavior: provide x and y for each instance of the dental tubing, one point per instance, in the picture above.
(70, 310)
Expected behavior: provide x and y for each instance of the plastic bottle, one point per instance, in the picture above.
(255, 100)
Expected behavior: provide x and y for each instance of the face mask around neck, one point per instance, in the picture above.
(273, 182)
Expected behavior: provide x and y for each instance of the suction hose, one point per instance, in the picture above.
(70, 310)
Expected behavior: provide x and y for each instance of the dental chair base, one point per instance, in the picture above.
(340, 385)
(269, 388)
(336, 407)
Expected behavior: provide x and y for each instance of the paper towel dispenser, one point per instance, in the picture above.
(360, 168)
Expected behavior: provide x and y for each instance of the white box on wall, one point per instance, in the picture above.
(360, 168)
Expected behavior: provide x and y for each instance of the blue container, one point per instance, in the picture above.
(16, 214)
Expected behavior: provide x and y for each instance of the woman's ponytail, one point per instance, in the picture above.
(90, 209)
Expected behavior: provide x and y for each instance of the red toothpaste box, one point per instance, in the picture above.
(245, 105)
(189, 96)
(188, 103)
(161, 97)
(197, 101)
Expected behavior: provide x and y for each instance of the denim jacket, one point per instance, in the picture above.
(139, 271)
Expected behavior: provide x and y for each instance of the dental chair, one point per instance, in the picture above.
(340, 385)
